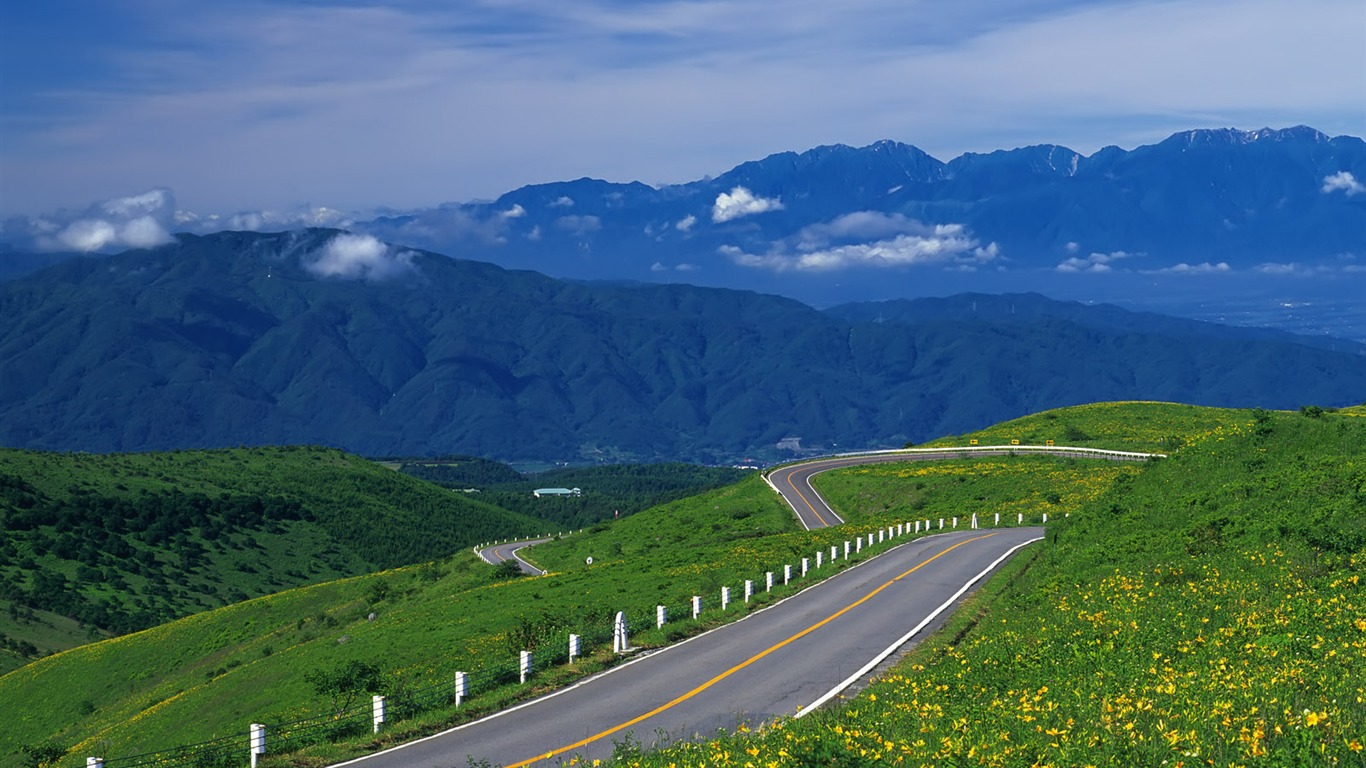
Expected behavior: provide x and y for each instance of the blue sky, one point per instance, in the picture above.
(251, 106)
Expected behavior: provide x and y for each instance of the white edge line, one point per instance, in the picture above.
(656, 652)
(833, 692)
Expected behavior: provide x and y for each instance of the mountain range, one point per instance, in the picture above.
(1264, 227)
(327, 337)
(1191, 226)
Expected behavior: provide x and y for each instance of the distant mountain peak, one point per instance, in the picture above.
(1233, 136)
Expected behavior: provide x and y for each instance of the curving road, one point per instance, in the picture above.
(784, 660)
(775, 662)
(508, 551)
(793, 481)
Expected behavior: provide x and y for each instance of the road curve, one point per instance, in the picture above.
(776, 662)
(508, 551)
(793, 481)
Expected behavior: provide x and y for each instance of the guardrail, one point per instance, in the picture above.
(467, 685)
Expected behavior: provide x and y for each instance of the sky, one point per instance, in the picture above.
(304, 105)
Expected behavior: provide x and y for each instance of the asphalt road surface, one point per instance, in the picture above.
(775, 662)
(499, 552)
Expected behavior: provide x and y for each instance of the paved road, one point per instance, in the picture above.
(773, 663)
(794, 481)
(500, 552)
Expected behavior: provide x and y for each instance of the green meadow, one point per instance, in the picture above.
(1206, 610)
(99, 545)
(1202, 607)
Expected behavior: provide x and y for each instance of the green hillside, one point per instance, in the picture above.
(106, 544)
(1207, 610)
(232, 339)
(607, 491)
(1253, 525)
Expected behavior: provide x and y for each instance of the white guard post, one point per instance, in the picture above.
(377, 709)
(620, 638)
(258, 742)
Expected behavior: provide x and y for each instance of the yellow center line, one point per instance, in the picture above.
(743, 664)
(804, 499)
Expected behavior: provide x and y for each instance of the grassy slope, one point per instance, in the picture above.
(660, 556)
(356, 517)
(1206, 610)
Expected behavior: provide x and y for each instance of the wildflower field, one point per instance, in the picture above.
(1207, 610)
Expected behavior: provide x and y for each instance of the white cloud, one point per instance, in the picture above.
(1203, 268)
(579, 225)
(1343, 181)
(360, 257)
(686, 223)
(563, 201)
(949, 245)
(261, 221)
(1295, 268)
(741, 202)
(683, 267)
(515, 212)
(1095, 263)
(1073, 247)
(136, 221)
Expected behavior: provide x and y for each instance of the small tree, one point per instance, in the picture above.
(42, 755)
(343, 684)
(508, 569)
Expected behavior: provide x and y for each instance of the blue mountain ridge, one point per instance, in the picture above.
(1250, 205)
(241, 338)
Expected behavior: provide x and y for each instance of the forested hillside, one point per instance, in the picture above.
(123, 542)
(247, 339)
(607, 492)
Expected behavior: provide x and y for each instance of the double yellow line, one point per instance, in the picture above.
(704, 686)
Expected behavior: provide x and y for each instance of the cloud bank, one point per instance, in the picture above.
(137, 221)
(1094, 263)
(870, 239)
(360, 257)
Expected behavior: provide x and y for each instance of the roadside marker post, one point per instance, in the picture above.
(258, 742)
(377, 708)
(661, 616)
(787, 575)
(696, 606)
(462, 684)
(725, 597)
(749, 589)
(573, 648)
(620, 637)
